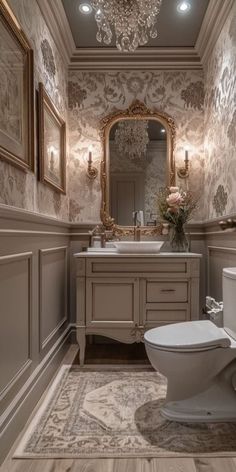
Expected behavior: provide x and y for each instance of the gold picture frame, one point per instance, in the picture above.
(16, 92)
(52, 144)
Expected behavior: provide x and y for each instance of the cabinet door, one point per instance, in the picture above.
(112, 302)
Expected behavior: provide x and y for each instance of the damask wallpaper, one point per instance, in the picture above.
(205, 125)
(18, 188)
(220, 124)
(93, 95)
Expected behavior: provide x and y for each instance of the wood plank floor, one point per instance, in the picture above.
(120, 465)
(99, 354)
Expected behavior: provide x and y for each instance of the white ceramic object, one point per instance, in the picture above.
(101, 249)
(199, 361)
(138, 247)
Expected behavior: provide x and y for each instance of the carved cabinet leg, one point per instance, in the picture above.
(81, 338)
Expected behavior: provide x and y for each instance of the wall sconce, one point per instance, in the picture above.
(92, 172)
(183, 172)
(52, 153)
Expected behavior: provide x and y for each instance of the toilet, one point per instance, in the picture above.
(199, 361)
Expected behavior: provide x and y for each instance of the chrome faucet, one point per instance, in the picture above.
(137, 229)
(137, 233)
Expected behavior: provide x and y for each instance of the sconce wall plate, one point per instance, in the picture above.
(183, 172)
(92, 172)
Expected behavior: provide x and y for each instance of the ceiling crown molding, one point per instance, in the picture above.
(213, 22)
(143, 58)
(56, 20)
(146, 58)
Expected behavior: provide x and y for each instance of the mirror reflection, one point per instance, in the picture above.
(138, 167)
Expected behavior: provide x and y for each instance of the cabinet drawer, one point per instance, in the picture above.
(163, 316)
(135, 266)
(157, 292)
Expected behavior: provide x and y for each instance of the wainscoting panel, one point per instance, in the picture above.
(53, 269)
(34, 329)
(218, 258)
(16, 313)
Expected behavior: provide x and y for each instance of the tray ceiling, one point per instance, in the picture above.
(174, 29)
(184, 41)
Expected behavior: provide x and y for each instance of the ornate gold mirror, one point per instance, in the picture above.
(137, 161)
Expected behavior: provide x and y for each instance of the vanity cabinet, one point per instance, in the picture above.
(121, 296)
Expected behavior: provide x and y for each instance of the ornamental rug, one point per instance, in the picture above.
(115, 412)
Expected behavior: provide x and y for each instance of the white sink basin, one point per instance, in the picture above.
(138, 247)
(101, 249)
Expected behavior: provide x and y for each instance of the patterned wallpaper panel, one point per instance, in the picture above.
(18, 188)
(93, 95)
(220, 124)
(205, 125)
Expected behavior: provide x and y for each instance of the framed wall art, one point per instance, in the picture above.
(16, 92)
(52, 144)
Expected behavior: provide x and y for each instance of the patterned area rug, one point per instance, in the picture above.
(115, 412)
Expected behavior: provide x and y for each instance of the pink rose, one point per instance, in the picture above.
(174, 199)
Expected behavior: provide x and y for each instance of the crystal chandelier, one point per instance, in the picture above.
(131, 20)
(131, 138)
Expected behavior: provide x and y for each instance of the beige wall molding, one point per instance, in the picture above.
(17, 413)
(214, 20)
(146, 58)
(155, 59)
(19, 222)
(56, 20)
(218, 257)
(49, 279)
(13, 261)
(10, 213)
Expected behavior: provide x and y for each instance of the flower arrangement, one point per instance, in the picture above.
(175, 207)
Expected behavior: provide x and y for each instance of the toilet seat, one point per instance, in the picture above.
(188, 336)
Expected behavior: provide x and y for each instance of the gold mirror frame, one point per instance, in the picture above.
(136, 111)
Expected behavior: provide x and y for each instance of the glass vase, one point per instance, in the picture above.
(178, 239)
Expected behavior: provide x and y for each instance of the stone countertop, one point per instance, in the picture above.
(139, 255)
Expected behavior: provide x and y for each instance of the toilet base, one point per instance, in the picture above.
(217, 404)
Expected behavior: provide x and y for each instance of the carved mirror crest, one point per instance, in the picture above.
(137, 160)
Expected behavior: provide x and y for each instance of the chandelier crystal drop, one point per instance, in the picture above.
(132, 21)
(131, 138)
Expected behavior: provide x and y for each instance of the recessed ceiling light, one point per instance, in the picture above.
(183, 7)
(85, 8)
(163, 130)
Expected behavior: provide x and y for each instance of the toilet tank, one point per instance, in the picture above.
(229, 299)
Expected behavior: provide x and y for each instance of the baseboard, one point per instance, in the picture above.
(14, 418)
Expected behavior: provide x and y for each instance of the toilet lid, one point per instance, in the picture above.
(189, 335)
